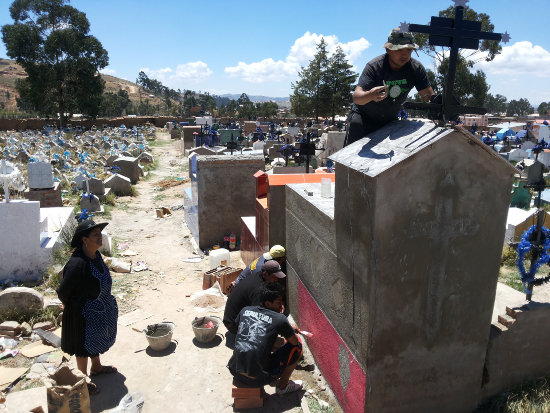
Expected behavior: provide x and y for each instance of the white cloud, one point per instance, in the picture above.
(301, 53)
(182, 75)
(522, 59)
(108, 71)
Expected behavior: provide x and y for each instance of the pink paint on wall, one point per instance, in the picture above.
(326, 346)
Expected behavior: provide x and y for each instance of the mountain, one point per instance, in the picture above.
(11, 71)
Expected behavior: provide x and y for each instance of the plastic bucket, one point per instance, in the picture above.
(159, 335)
(205, 334)
(218, 257)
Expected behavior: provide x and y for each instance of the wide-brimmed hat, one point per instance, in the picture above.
(273, 267)
(84, 226)
(398, 40)
(276, 251)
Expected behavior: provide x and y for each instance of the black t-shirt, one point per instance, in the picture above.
(245, 293)
(257, 332)
(399, 82)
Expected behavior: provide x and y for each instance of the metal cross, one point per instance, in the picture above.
(456, 34)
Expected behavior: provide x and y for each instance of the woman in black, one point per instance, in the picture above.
(90, 311)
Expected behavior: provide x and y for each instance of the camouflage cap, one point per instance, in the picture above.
(398, 40)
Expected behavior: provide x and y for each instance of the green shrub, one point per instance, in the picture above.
(509, 256)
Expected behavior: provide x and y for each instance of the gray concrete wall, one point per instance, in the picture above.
(226, 190)
(414, 238)
(518, 351)
(311, 250)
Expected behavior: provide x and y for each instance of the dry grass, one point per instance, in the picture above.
(532, 397)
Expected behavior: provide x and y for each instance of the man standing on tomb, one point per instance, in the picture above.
(384, 85)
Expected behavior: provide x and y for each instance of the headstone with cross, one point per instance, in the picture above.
(456, 34)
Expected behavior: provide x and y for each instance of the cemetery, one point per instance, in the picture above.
(415, 259)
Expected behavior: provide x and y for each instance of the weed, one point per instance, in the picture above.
(510, 276)
(107, 212)
(49, 314)
(159, 197)
(134, 191)
(110, 199)
(152, 166)
(529, 397)
(509, 256)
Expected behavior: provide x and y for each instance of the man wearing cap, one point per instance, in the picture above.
(384, 85)
(276, 253)
(247, 292)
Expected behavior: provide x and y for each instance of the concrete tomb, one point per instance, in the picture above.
(398, 272)
(224, 190)
(29, 235)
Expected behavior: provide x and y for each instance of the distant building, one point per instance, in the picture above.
(471, 120)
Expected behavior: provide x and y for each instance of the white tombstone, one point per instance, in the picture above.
(40, 175)
(544, 157)
(527, 145)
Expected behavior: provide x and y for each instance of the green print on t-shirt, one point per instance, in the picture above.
(396, 88)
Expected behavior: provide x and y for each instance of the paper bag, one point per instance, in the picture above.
(68, 392)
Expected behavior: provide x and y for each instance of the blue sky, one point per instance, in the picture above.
(257, 47)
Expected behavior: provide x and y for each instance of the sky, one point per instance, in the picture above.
(258, 47)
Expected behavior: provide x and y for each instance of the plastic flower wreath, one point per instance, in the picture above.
(525, 246)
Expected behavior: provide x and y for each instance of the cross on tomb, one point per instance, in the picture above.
(441, 230)
(456, 34)
(232, 145)
(307, 150)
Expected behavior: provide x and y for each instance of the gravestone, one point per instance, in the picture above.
(40, 175)
(119, 185)
(97, 187)
(130, 168)
(398, 273)
(90, 202)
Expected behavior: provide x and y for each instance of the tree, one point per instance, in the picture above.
(544, 108)
(51, 41)
(340, 81)
(267, 109)
(311, 91)
(469, 88)
(496, 104)
(114, 104)
(520, 107)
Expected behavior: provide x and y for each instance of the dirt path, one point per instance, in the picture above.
(188, 376)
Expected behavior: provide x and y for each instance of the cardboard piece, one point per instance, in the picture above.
(36, 349)
(8, 375)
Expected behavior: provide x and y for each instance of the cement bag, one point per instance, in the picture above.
(67, 392)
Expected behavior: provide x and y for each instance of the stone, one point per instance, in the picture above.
(120, 185)
(44, 325)
(80, 181)
(90, 202)
(25, 329)
(97, 187)
(146, 157)
(21, 300)
(397, 271)
(40, 175)
(110, 160)
(130, 168)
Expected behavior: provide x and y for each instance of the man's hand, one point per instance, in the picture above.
(378, 93)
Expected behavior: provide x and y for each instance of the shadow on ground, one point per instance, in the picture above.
(112, 390)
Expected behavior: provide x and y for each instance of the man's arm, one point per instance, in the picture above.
(362, 96)
(426, 94)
